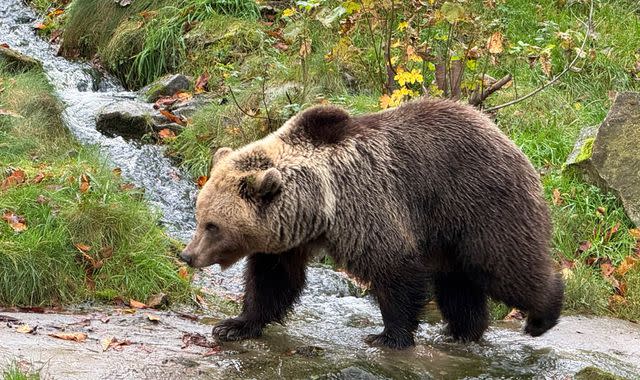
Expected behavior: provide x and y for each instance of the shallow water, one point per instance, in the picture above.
(327, 326)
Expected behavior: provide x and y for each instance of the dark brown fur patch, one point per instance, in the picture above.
(257, 160)
(323, 125)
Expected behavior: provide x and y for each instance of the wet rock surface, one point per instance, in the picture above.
(165, 86)
(608, 156)
(127, 118)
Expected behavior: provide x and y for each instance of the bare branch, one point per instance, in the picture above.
(589, 27)
(235, 101)
(479, 96)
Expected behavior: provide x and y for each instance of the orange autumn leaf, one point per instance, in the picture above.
(39, 26)
(202, 180)
(38, 178)
(626, 264)
(494, 45)
(85, 183)
(75, 336)
(183, 272)
(607, 269)
(17, 177)
(171, 117)
(166, 133)
(137, 304)
(557, 197)
(16, 222)
(635, 232)
(82, 247)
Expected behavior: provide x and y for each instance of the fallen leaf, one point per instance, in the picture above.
(106, 252)
(567, 273)
(601, 210)
(41, 199)
(545, 64)
(635, 232)
(281, 46)
(117, 172)
(137, 304)
(166, 133)
(113, 342)
(16, 222)
(617, 299)
(202, 83)
(74, 336)
(127, 186)
(152, 318)
(557, 197)
(626, 264)
(584, 246)
(202, 180)
(84, 183)
(38, 178)
(494, 45)
(172, 118)
(82, 247)
(183, 272)
(17, 177)
(26, 329)
(106, 342)
(39, 26)
(212, 351)
(607, 269)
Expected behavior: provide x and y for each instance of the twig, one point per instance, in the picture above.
(480, 97)
(235, 101)
(555, 78)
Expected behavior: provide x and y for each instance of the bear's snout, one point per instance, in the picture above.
(186, 257)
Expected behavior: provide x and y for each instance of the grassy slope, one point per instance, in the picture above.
(545, 126)
(42, 265)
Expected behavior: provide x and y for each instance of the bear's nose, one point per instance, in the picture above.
(185, 256)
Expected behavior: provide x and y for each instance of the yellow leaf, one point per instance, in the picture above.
(385, 101)
(136, 304)
(25, 329)
(402, 25)
(289, 12)
(106, 342)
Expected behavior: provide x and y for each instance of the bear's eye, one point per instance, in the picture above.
(212, 227)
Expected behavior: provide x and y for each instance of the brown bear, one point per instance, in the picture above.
(430, 195)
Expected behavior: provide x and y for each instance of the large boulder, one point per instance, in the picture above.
(127, 118)
(168, 85)
(609, 155)
(16, 61)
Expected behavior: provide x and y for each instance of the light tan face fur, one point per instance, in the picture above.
(229, 226)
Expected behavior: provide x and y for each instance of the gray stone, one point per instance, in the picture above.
(127, 118)
(17, 62)
(168, 85)
(610, 159)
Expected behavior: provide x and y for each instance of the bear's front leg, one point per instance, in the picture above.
(402, 297)
(273, 283)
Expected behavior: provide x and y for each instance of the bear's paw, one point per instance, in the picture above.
(236, 329)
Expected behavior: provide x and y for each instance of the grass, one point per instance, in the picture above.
(242, 54)
(14, 372)
(78, 245)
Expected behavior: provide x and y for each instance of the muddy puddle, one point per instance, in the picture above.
(323, 337)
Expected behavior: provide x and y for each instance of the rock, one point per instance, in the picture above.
(18, 62)
(609, 158)
(593, 373)
(165, 86)
(127, 118)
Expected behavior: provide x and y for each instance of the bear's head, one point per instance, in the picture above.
(231, 210)
(270, 196)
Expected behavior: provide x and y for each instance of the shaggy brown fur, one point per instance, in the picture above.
(429, 193)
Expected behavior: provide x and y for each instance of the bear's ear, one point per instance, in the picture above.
(219, 154)
(324, 124)
(265, 185)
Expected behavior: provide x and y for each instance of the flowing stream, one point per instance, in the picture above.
(323, 337)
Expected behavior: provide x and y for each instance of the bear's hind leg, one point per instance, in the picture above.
(463, 305)
(402, 298)
(273, 283)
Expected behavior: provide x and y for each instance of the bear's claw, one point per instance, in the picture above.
(396, 342)
(236, 329)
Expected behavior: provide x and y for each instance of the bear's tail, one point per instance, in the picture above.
(546, 316)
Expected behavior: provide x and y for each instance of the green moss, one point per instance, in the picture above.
(586, 150)
(593, 373)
